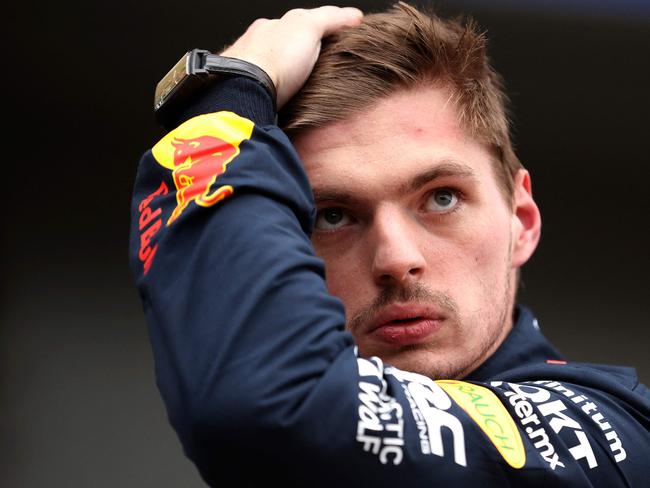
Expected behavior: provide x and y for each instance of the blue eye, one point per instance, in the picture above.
(442, 200)
(332, 218)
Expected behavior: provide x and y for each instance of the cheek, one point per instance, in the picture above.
(340, 270)
(491, 270)
(348, 277)
(492, 249)
(477, 252)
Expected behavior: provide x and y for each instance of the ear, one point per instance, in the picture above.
(526, 220)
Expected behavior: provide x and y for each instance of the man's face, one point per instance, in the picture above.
(418, 241)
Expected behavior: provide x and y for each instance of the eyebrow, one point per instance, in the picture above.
(445, 168)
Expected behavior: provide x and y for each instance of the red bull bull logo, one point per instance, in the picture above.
(198, 153)
(198, 162)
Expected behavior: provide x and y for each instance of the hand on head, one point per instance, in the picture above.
(287, 48)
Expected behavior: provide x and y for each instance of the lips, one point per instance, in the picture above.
(404, 324)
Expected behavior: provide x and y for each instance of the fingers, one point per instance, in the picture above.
(287, 48)
(343, 17)
(327, 19)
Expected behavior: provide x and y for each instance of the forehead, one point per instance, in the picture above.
(395, 139)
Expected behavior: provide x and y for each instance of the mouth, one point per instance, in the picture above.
(405, 324)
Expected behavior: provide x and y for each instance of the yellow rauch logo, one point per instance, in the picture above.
(488, 412)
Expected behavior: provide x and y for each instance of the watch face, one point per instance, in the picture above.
(170, 81)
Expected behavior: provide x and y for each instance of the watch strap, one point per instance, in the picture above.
(215, 64)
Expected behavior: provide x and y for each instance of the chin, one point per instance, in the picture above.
(433, 365)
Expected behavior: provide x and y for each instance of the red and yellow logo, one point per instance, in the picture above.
(198, 152)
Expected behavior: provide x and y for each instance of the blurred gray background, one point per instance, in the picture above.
(78, 401)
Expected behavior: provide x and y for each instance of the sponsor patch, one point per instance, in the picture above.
(380, 427)
(149, 223)
(429, 405)
(485, 408)
(198, 153)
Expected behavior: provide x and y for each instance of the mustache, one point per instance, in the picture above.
(412, 293)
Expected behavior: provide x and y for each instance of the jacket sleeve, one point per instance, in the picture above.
(260, 379)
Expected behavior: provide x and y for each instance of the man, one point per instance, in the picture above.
(404, 178)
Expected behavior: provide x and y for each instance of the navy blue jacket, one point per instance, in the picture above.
(263, 384)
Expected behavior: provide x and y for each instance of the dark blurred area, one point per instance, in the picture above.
(78, 401)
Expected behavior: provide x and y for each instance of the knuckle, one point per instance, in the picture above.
(258, 22)
(258, 25)
(295, 12)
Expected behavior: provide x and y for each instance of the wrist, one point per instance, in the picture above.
(237, 94)
(194, 74)
(258, 61)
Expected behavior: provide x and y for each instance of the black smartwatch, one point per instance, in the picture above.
(195, 70)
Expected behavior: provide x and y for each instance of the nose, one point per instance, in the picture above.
(397, 258)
